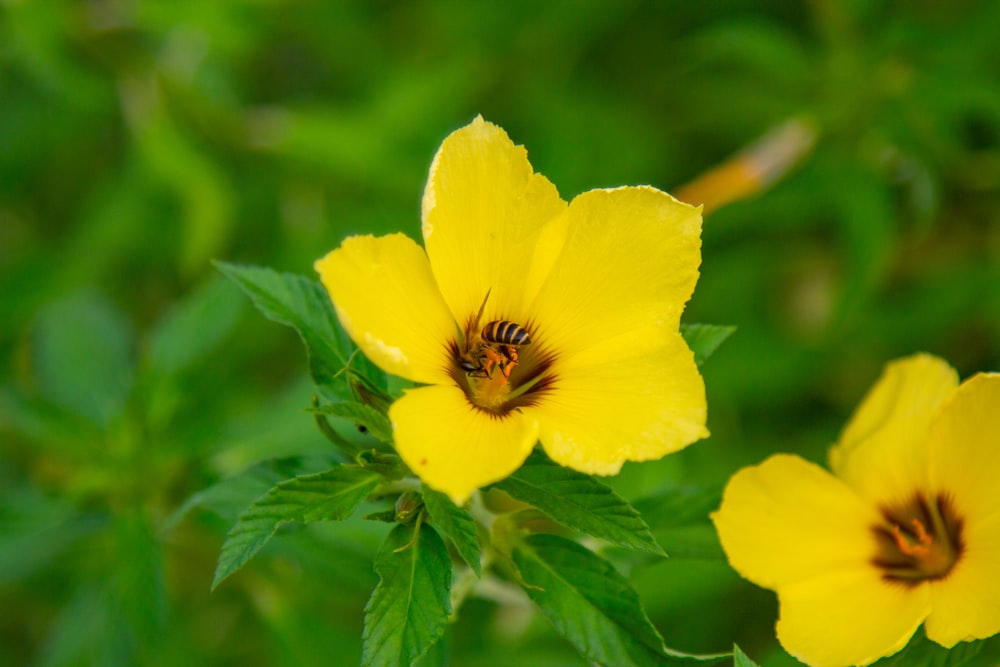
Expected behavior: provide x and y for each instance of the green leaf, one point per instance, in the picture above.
(408, 611)
(579, 502)
(376, 423)
(228, 497)
(922, 651)
(439, 655)
(740, 658)
(84, 356)
(680, 522)
(705, 339)
(679, 506)
(194, 328)
(331, 495)
(590, 604)
(456, 524)
(696, 541)
(362, 371)
(304, 305)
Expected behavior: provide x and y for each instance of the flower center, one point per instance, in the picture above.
(501, 366)
(920, 540)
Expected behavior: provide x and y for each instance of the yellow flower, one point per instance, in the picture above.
(597, 287)
(905, 531)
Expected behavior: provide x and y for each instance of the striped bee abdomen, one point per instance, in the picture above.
(505, 333)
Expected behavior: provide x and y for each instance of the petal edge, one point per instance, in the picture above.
(461, 448)
(388, 302)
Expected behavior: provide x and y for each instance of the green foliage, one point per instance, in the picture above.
(589, 603)
(304, 305)
(740, 658)
(705, 339)
(579, 502)
(678, 518)
(228, 497)
(456, 524)
(680, 505)
(408, 611)
(922, 651)
(374, 421)
(331, 495)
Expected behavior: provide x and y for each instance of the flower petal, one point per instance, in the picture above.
(629, 262)
(883, 450)
(787, 520)
(791, 526)
(966, 604)
(603, 411)
(965, 466)
(454, 447)
(964, 449)
(848, 617)
(386, 299)
(483, 209)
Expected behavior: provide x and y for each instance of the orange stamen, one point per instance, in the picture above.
(922, 536)
(911, 551)
(908, 546)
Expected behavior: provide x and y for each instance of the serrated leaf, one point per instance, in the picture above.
(579, 502)
(326, 496)
(193, 328)
(83, 356)
(591, 604)
(456, 524)
(740, 659)
(374, 421)
(304, 305)
(705, 339)
(926, 653)
(408, 611)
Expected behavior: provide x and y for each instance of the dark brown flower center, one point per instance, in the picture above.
(920, 540)
(498, 375)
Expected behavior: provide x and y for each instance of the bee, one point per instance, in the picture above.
(494, 346)
(504, 332)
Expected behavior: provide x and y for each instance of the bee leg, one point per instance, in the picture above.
(511, 352)
(508, 361)
(492, 360)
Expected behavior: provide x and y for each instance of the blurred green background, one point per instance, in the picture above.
(143, 403)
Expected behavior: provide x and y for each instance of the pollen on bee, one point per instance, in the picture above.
(499, 366)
